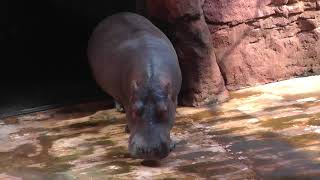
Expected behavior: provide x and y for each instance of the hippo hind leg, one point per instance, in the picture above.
(119, 107)
(127, 130)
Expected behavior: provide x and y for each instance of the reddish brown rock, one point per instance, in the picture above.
(280, 2)
(255, 41)
(236, 10)
(269, 48)
(202, 80)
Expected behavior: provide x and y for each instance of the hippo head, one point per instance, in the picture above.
(151, 115)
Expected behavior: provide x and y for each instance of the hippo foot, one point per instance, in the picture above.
(127, 130)
(119, 107)
(172, 146)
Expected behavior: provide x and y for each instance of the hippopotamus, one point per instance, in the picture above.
(134, 62)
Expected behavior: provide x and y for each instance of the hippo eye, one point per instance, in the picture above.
(162, 110)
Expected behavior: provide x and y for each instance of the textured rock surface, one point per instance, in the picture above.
(255, 41)
(185, 22)
(261, 41)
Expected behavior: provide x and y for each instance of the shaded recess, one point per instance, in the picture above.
(43, 51)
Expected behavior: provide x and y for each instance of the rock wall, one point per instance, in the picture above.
(185, 24)
(261, 41)
(254, 41)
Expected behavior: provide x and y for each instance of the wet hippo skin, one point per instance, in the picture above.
(135, 63)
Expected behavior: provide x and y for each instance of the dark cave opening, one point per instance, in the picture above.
(43, 51)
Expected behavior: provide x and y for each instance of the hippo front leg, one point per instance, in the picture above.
(172, 145)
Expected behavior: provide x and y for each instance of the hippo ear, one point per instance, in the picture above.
(135, 86)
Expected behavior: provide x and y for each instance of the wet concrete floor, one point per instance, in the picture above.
(265, 132)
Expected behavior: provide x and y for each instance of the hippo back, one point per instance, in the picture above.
(121, 49)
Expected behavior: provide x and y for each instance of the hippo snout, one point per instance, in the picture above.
(155, 149)
(151, 152)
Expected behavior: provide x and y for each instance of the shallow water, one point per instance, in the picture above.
(265, 132)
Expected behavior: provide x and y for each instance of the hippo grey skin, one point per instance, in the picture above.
(135, 63)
